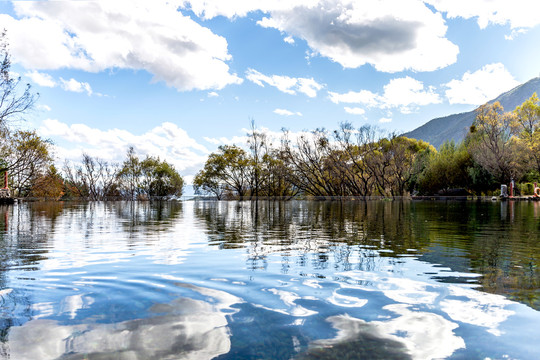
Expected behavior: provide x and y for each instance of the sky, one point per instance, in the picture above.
(178, 78)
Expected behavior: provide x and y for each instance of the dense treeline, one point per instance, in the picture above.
(361, 162)
(347, 162)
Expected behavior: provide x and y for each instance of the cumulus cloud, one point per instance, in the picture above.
(516, 13)
(44, 107)
(480, 86)
(355, 97)
(406, 94)
(391, 35)
(75, 86)
(272, 137)
(285, 112)
(354, 110)
(46, 80)
(135, 34)
(41, 79)
(385, 120)
(286, 84)
(289, 40)
(167, 141)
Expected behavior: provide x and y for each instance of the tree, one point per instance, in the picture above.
(527, 122)
(160, 179)
(492, 144)
(129, 174)
(355, 148)
(93, 179)
(13, 102)
(207, 181)
(257, 141)
(450, 168)
(149, 177)
(311, 168)
(27, 156)
(225, 170)
(49, 185)
(394, 163)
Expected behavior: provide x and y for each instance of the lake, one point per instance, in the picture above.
(270, 280)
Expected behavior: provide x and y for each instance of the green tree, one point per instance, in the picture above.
(148, 178)
(160, 179)
(27, 156)
(527, 122)
(228, 169)
(493, 146)
(129, 174)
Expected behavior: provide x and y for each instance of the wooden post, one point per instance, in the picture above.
(5, 179)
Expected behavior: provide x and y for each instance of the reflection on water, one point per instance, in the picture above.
(273, 280)
(194, 329)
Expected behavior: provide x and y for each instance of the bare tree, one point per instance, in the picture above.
(13, 102)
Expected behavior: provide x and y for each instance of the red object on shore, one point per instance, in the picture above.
(5, 180)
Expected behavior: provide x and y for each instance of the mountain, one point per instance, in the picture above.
(455, 127)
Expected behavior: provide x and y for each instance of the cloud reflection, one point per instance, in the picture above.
(182, 329)
(420, 335)
(459, 303)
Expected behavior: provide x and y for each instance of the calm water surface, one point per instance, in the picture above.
(276, 280)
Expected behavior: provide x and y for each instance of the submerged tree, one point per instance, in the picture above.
(93, 179)
(228, 169)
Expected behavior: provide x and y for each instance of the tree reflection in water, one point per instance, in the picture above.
(499, 242)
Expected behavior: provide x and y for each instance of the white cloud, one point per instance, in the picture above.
(406, 93)
(285, 112)
(286, 84)
(516, 13)
(41, 79)
(385, 120)
(480, 86)
(354, 110)
(289, 40)
(213, 94)
(360, 97)
(272, 137)
(121, 34)
(167, 141)
(44, 107)
(391, 35)
(46, 80)
(75, 86)
(212, 140)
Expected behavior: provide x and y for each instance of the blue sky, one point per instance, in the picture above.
(178, 78)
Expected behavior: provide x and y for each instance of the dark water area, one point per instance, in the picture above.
(270, 280)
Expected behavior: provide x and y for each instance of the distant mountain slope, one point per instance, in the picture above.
(455, 127)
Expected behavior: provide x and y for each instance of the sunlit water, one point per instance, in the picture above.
(276, 280)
